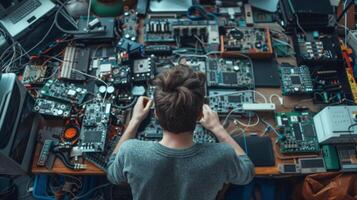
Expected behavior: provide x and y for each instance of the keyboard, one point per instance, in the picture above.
(24, 10)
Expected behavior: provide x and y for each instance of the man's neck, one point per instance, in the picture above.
(177, 140)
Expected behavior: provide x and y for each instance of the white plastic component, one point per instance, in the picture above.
(332, 124)
(248, 14)
(258, 106)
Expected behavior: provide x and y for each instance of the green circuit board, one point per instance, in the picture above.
(62, 91)
(298, 132)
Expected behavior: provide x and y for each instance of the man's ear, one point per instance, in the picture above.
(199, 116)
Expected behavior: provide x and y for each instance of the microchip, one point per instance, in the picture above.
(105, 68)
(230, 78)
(213, 66)
(212, 76)
(92, 136)
(295, 80)
(308, 130)
(297, 131)
(285, 122)
(235, 99)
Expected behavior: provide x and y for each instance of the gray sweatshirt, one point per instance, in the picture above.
(156, 172)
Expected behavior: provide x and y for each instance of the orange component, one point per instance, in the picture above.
(70, 133)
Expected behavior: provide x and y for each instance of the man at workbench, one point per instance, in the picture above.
(176, 167)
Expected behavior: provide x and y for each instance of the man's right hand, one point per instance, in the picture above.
(210, 120)
(141, 109)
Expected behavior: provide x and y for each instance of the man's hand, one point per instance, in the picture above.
(210, 120)
(141, 109)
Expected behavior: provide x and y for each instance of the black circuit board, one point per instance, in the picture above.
(101, 159)
(76, 62)
(144, 69)
(296, 80)
(66, 92)
(129, 25)
(121, 76)
(153, 132)
(94, 127)
(230, 73)
(315, 48)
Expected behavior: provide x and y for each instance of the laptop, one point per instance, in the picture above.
(17, 15)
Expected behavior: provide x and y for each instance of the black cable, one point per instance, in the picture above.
(345, 10)
(65, 161)
(127, 106)
(350, 132)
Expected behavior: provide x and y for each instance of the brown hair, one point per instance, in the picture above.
(179, 97)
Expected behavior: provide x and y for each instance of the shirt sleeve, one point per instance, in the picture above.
(115, 170)
(240, 169)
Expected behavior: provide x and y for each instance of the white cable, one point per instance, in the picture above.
(88, 75)
(281, 99)
(4, 52)
(198, 39)
(94, 77)
(36, 45)
(249, 125)
(270, 126)
(54, 73)
(280, 32)
(12, 58)
(287, 44)
(229, 115)
(88, 13)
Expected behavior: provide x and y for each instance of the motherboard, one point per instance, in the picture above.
(298, 132)
(52, 108)
(224, 101)
(230, 73)
(144, 69)
(317, 48)
(247, 40)
(62, 91)
(94, 127)
(295, 80)
(101, 159)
